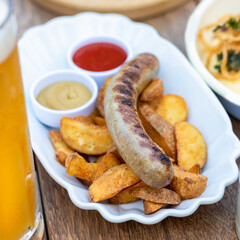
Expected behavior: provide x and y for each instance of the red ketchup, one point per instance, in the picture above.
(99, 56)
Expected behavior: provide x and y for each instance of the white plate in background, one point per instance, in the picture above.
(43, 49)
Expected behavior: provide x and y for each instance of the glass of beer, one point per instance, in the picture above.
(20, 215)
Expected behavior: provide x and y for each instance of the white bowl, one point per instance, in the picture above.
(43, 48)
(99, 77)
(52, 117)
(209, 11)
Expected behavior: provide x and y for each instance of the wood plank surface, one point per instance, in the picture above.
(65, 221)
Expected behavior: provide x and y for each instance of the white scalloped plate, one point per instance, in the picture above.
(43, 48)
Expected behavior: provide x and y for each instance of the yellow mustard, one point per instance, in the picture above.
(64, 95)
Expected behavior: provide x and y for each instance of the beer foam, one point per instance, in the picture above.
(8, 31)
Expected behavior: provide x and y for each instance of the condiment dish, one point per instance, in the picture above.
(208, 12)
(99, 76)
(52, 117)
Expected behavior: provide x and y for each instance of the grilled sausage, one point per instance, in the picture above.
(142, 155)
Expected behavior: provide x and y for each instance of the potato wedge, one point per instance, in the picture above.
(85, 137)
(62, 150)
(166, 138)
(109, 160)
(195, 169)
(191, 146)
(188, 185)
(100, 121)
(101, 95)
(125, 195)
(89, 118)
(173, 108)
(78, 167)
(151, 207)
(153, 90)
(100, 101)
(111, 183)
(156, 195)
(113, 149)
(99, 159)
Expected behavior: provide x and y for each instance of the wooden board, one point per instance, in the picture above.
(135, 9)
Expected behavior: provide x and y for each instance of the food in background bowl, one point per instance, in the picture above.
(219, 49)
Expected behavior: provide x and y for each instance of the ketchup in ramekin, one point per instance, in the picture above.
(99, 56)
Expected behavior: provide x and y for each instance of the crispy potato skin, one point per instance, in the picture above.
(113, 149)
(99, 121)
(137, 149)
(153, 91)
(78, 167)
(156, 195)
(191, 146)
(111, 183)
(84, 136)
(62, 150)
(188, 185)
(109, 160)
(173, 108)
(151, 207)
(99, 159)
(166, 138)
(125, 195)
(195, 169)
(101, 96)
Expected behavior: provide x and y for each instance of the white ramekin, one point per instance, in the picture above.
(209, 11)
(99, 77)
(52, 117)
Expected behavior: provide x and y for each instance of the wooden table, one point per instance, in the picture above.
(64, 221)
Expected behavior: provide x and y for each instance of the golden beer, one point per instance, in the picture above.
(18, 195)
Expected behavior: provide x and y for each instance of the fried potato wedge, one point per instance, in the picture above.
(78, 167)
(195, 169)
(113, 149)
(89, 118)
(166, 138)
(109, 160)
(100, 101)
(153, 90)
(111, 183)
(173, 108)
(125, 195)
(101, 95)
(99, 159)
(191, 146)
(85, 137)
(156, 195)
(188, 185)
(62, 150)
(151, 207)
(100, 121)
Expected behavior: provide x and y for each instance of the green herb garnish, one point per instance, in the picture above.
(219, 60)
(231, 22)
(233, 61)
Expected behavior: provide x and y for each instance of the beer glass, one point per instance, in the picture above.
(20, 216)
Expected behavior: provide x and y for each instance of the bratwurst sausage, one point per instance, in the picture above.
(142, 155)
